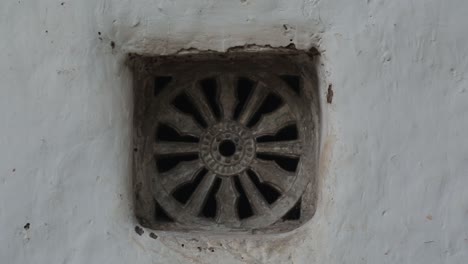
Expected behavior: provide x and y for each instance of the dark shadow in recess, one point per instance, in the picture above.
(208, 87)
(168, 162)
(184, 104)
(286, 163)
(270, 104)
(294, 213)
(183, 192)
(165, 132)
(210, 207)
(269, 192)
(160, 82)
(244, 90)
(288, 132)
(161, 215)
(293, 81)
(244, 209)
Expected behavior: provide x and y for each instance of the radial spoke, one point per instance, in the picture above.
(198, 198)
(183, 123)
(282, 148)
(272, 122)
(226, 198)
(227, 95)
(182, 173)
(271, 173)
(253, 103)
(167, 148)
(256, 199)
(202, 104)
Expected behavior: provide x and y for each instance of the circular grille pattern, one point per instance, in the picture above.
(237, 167)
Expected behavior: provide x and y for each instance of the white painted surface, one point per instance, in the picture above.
(395, 156)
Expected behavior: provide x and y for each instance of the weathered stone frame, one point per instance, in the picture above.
(262, 63)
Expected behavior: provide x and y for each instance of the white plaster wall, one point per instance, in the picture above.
(395, 156)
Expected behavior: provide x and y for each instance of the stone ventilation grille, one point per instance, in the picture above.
(224, 149)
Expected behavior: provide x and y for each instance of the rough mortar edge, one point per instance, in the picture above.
(289, 49)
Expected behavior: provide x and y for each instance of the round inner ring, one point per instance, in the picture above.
(227, 148)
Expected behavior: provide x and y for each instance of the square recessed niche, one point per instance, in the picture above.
(225, 142)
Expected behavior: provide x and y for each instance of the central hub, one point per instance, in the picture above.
(227, 148)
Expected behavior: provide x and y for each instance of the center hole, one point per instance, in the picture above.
(227, 148)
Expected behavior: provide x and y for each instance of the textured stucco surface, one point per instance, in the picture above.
(394, 159)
